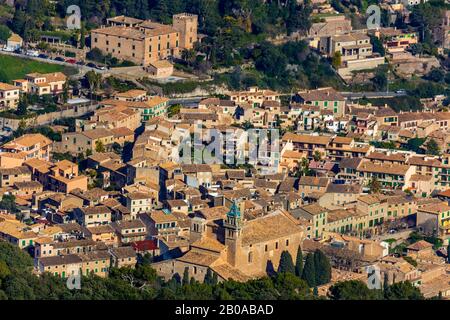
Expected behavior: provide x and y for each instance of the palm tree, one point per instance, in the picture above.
(317, 156)
(94, 79)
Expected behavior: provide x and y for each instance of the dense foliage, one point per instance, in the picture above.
(357, 290)
(18, 283)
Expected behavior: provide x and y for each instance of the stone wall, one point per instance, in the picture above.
(48, 118)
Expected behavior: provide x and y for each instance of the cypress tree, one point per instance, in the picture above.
(299, 263)
(315, 292)
(215, 279)
(286, 265)
(448, 253)
(208, 277)
(309, 274)
(322, 268)
(186, 276)
(385, 282)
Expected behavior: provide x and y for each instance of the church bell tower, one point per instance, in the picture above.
(233, 227)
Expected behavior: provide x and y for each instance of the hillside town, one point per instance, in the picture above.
(104, 169)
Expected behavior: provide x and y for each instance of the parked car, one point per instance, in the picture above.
(59, 59)
(81, 63)
(91, 65)
(72, 61)
(101, 67)
(43, 56)
(32, 53)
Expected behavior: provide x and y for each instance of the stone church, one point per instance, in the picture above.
(235, 248)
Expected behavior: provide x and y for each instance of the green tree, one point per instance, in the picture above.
(317, 156)
(65, 93)
(286, 264)
(353, 290)
(186, 276)
(215, 279)
(381, 78)
(117, 148)
(8, 203)
(322, 268)
(299, 263)
(448, 253)
(309, 272)
(289, 287)
(315, 292)
(5, 33)
(385, 282)
(173, 110)
(82, 36)
(4, 270)
(208, 277)
(436, 75)
(403, 291)
(99, 146)
(22, 106)
(94, 80)
(433, 148)
(374, 185)
(336, 60)
(377, 45)
(414, 144)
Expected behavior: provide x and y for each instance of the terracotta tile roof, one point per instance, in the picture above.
(118, 31)
(97, 133)
(370, 199)
(227, 272)
(262, 229)
(7, 87)
(101, 229)
(435, 208)
(314, 209)
(199, 258)
(213, 213)
(123, 252)
(28, 140)
(420, 245)
(131, 93)
(395, 169)
(209, 244)
(313, 181)
(399, 157)
(309, 139)
(322, 94)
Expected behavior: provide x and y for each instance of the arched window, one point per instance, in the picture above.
(250, 257)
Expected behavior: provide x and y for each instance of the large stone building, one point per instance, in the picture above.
(234, 248)
(145, 42)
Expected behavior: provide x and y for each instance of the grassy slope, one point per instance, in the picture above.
(15, 68)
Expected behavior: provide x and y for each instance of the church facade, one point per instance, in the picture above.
(235, 248)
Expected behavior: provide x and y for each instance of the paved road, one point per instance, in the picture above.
(359, 95)
(186, 101)
(350, 95)
(81, 69)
